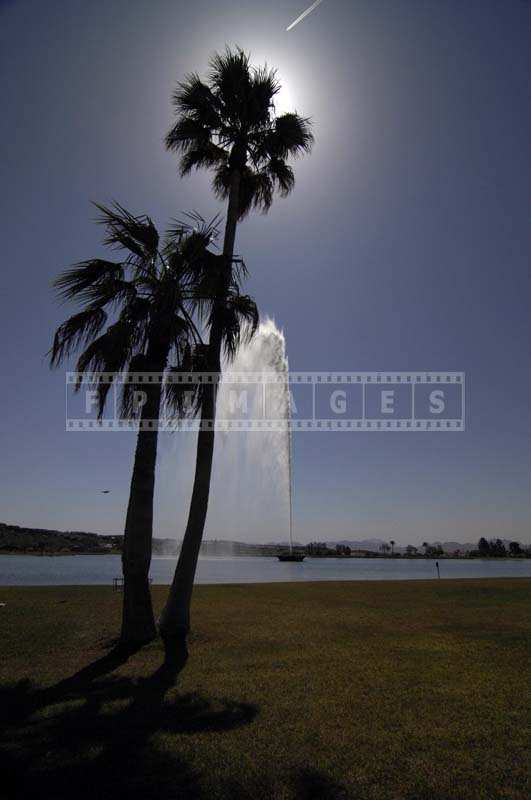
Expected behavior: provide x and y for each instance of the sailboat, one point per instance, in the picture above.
(291, 555)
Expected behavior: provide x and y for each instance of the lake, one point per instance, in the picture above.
(100, 570)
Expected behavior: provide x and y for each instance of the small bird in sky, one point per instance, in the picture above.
(105, 491)
(304, 14)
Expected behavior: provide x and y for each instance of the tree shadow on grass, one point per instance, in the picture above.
(308, 783)
(92, 734)
(311, 784)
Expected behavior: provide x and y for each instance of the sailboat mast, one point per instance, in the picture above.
(290, 470)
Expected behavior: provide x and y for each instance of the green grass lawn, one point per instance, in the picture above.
(327, 690)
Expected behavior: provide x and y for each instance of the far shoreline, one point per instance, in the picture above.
(378, 556)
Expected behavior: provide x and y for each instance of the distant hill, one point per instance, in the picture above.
(453, 547)
(18, 539)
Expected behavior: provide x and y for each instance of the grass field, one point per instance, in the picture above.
(321, 691)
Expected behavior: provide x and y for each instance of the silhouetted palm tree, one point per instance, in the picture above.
(135, 318)
(226, 124)
(392, 543)
(237, 324)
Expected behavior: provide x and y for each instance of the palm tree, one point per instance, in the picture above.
(135, 318)
(226, 124)
(392, 543)
(238, 325)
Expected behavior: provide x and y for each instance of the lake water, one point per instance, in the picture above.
(100, 570)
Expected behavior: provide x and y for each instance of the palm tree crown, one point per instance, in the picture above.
(137, 312)
(229, 123)
(133, 312)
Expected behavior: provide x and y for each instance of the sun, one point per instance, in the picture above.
(285, 99)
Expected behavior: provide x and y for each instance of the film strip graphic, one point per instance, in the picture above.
(259, 401)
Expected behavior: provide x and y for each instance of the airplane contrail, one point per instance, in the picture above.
(304, 14)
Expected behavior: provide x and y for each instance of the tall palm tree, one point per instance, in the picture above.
(226, 124)
(237, 320)
(135, 318)
(392, 543)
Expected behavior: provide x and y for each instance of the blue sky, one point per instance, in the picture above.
(405, 244)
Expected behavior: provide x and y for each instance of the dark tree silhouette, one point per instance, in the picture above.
(226, 124)
(497, 548)
(135, 318)
(484, 547)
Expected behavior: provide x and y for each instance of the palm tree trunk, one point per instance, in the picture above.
(138, 621)
(175, 619)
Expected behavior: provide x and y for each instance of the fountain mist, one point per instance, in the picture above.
(251, 481)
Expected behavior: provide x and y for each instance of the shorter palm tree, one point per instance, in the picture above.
(136, 317)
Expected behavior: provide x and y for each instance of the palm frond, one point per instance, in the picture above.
(245, 308)
(109, 291)
(195, 100)
(186, 252)
(109, 353)
(265, 86)
(256, 191)
(230, 78)
(181, 400)
(182, 397)
(221, 182)
(292, 136)
(281, 175)
(201, 156)
(239, 271)
(79, 329)
(193, 222)
(137, 313)
(136, 234)
(239, 321)
(208, 281)
(137, 309)
(74, 282)
(187, 133)
(178, 332)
